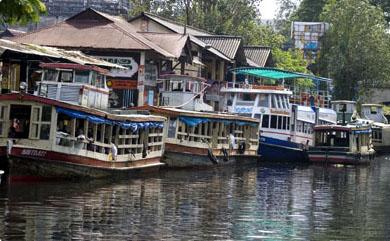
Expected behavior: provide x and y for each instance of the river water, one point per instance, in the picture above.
(266, 202)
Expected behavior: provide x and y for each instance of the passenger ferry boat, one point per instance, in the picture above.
(195, 138)
(336, 144)
(62, 131)
(286, 129)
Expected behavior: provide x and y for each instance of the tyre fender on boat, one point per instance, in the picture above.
(225, 155)
(212, 157)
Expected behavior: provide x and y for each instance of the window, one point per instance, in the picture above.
(280, 122)
(40, 122)
(172, 128)
(82, 77)
(99, 81)
(50, 75)
(265, 123)
(274, 121)
(66, 76)
(3, 123)
(263, 100)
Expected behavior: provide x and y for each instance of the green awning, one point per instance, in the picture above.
(272, 73)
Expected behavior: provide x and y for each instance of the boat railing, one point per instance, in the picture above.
(240, 85)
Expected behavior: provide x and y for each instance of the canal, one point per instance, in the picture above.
(267, 202)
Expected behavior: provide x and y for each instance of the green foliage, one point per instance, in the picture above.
(385, 5)
(356, 49)
(309, 10)
(20, 11)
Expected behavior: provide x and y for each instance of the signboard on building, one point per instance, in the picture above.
(131, 63)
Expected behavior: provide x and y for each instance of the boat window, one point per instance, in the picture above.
(280, 122)
(248, 97)
(40, 122)
(273, 102)
(99, 81)
(82, 77)
(263, 100)
(284, 126)
(66, 76)
(3, 118)
(288, 123)
(172, 128)
(373, 110)
(265, 122)
(273, 121)
(50, 75)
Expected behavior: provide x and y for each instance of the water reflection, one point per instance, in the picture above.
(265, 202)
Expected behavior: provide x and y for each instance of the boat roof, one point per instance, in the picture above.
(343, 102)
(372, 105)
(73, 67)
(278, 74)
(121, 117)
(348, 127)
(168, 76)
(176, 112)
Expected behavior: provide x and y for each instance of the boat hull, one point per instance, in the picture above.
(340, 157)
(184, 157)
(31, 164)
(272, 149)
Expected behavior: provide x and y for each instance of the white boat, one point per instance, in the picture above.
(198, 137)
(66, 131)
(370, 114)
(286, 129)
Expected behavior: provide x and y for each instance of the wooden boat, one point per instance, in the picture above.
(63, 130)
(196, 136)
(196, 139)
(350, 144)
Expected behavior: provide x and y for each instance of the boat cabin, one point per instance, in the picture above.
(374, 112)
(183, 91)
(78, 84)
(342, 144)
(55, 130)
(345, 109)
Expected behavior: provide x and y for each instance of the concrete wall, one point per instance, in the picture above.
(378, 95)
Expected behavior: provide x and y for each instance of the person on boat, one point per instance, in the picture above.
(113, 152)
(232, 142)
(81, 139)
(15, 129)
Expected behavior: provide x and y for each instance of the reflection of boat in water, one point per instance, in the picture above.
(349, 144)
(286, 128)
(198, 137)
(63, 132)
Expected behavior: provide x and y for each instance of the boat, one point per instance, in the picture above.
(370, 114)
(338, 144)
(64, 129)
(196, 136)
(286, 129)
(380, 126)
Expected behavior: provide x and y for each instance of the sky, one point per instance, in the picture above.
(268, 9)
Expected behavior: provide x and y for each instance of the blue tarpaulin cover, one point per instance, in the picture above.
(134, 126)
(194, 121)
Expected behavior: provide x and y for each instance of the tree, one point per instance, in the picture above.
(385, 5)
(356, 49)
(20, 11)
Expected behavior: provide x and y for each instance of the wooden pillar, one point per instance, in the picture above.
(141, 79)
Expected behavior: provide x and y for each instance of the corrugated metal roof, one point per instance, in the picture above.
(92, 29)
(175, 26)
(73, 56)
(228, 45)
(172, 42)
(209, 48)
(258, 54)
(251, 63)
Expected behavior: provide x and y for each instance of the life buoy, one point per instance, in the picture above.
(211, 156)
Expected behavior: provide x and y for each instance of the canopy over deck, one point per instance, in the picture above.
(277, 74)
